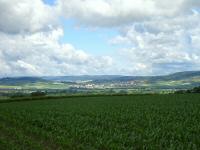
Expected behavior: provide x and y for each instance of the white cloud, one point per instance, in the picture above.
(42, 54)
(156, 37)
(165, 45)
(26, 16)
(29, 43)
(119, 12)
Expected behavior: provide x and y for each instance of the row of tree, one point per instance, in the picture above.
(194, 90)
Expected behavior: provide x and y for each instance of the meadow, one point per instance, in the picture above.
(102, 123)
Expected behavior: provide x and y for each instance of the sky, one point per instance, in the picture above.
(98, 37)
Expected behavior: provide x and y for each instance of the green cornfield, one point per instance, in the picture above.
(149, 122)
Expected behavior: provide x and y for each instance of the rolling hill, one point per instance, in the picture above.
(177, 80)
(20, 80)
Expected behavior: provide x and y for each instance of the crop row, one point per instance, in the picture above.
(104, 123)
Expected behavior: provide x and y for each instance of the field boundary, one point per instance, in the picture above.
(29, 98)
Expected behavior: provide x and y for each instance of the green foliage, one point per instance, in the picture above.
(17, 95)
(38, 93)
(194, 90)
(102, 123)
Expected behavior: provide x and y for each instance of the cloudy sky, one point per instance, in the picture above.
(76, 37)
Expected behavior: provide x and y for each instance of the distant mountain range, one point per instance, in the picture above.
(170, 77)
(81, 78)
(20, 80)
(186, 79)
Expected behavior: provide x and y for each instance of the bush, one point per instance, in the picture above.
(17, 95)
(38, 93)
(180, 92)
(194, 90)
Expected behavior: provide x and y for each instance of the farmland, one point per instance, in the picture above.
(103, 122)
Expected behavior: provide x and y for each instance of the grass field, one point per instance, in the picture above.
(103, 123)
